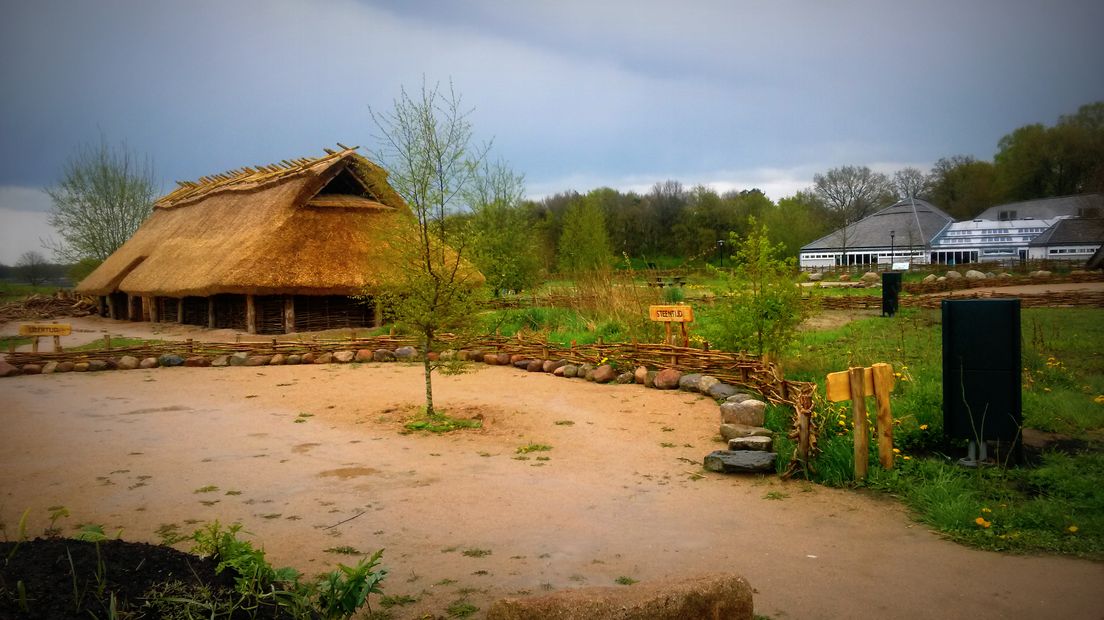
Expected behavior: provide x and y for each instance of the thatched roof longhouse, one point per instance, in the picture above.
(307, 227)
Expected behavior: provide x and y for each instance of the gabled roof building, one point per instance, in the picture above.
(900, 232)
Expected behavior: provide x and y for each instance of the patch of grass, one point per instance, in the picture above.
(666, 444)
(564, 423)
(775, 495)
(445, 582)
(13, 341)
(460, 608)
(475, 552)
(625, 581)
(207, 489)
(116, 343)
(441, 423)
(397, 600)
(344, 550)
(533, 447)
(303, 417)
(1043, 507)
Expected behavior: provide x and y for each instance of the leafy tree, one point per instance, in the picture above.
(763, 307)
(502, 246)
(962, 186)
(104, 195)
(426, 148)
(32, 266)
(1035, 161)
(797, 220)
(584, 244)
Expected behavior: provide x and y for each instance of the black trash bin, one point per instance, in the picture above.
(982, 370)
(891, 291)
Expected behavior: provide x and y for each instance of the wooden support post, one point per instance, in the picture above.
(130, 308)
(377, 320)
(803, 440)
(34, 345)
(250, 314)
(100, 305)
(210, 313)
(57, 344)
(111, 312)
(180, 310)
(107, 342)
(289, 314)
(858, 420)
(154, 309)
(883, 384)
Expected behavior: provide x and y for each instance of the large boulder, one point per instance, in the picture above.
(650, 377)
(570, 371)
(928, 279)
(604, 374)
(262, 360)
(98, 365)
(294, 359)
(739, 461)
(1041, 274)
(522, 364)
(689, 381)
(733, 431)
(535, 366)
(707, 382)
(383, 355)
(846, 277)
(32, 369)
(149, 362)
(239, 358)
(667, 379)
(83, 366)
(491, 359)
(974, 274)
(407, 354)
(344, 357)
(324, 358)
(625, 378)
(585, 371)
(503, 359)
(748, 412)
(49, 368)
(816, 277)
(170, 359)
(953, 275)
(197, 361)
(755, 442)
(278, 360)
(870, 277)
(127, 362)
(719, 596)
(739, 397)
(65, 366)
(640, 374)
(7, 370)
(721, 391)
(362, 356)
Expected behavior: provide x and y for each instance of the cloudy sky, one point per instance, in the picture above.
(576, 94)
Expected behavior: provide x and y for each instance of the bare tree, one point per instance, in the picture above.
(104, 195)
(910, 183)
(31, 266)
(426, 148)
(853, 192)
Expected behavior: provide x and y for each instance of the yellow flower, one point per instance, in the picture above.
(982, 522)
(1046, 389)
(1072, 529)
(842, 423)
(896, 450)
(1099, 400)
(908, 458)
(986, 510)
(923, 427)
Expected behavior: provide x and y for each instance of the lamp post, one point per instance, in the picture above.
(892, 234)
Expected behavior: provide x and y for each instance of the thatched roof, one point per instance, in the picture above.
(303, 227)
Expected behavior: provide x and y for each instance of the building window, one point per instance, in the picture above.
(1005, 216)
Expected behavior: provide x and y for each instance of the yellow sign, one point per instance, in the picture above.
(45, 329)
(671, 314)
(839, 383)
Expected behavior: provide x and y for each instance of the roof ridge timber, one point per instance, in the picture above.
(188, 191)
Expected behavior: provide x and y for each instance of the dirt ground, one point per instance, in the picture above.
(310, 458)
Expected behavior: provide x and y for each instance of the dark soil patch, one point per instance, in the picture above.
(40, 580)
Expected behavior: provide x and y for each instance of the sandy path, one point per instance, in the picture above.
(129, 449)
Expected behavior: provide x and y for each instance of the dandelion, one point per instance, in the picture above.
(1046, 389)
(1099, 400)
(896, 450)
(907, 457)
(986, 510)
(982, 522)
(923, 427)
(1072, 529)
(842, 423)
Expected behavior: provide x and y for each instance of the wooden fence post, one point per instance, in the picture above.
(883, 384)
(107, 342)
(858, 419)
